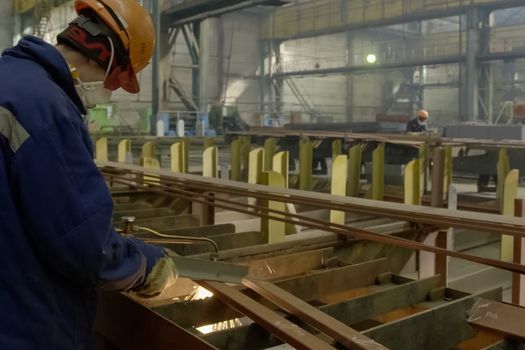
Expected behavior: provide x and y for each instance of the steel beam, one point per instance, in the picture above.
(287, 265)
(340, 332)
(249, 337)
(197, 313)
(155, 66)
(397, 294)
(410, 16)
(320, 284)
(499, 317)
(439, 327)
(472, 68)
(196, 10)
(230, 241)
(118, 319)
(204, 63)
(454, 59)
(266, 318)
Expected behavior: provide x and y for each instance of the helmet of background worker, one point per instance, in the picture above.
(131, 34)
(422, 116)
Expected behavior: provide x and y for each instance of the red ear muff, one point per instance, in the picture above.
(122, 78)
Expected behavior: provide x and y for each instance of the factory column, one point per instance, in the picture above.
(471, 111)
(204, 50)
(155, 71)
(6, 24)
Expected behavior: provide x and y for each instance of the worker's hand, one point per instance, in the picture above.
(162, 276)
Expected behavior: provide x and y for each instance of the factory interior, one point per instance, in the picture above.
(321, 174)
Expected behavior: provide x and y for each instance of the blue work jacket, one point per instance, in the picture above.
(414, 126)
(57, 244)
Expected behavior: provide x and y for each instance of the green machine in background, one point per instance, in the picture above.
(107, 119)
(226, 118)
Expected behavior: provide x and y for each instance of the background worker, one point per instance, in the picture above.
(419, 123)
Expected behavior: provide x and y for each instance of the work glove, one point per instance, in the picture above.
(162, 276)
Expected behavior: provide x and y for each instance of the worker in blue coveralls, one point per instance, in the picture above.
(419, 123)
(57, 244)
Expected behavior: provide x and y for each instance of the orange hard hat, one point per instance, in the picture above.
(423, 114)
(133, 26)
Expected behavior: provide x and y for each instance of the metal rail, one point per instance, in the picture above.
(268, 319)
(443, 218)
(406, 139)
(305, 221)
(343, 334)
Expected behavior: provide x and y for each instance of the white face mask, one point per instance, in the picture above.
(93, 93)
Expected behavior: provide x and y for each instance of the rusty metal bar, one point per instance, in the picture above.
(274, 323)
(518, 281)
(340, 332)
(388, 138)
(439, 217)
(441, 261)
(327, 226)
(499, 317)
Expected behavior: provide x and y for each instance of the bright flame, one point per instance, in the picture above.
(220, 326)
(201, 293)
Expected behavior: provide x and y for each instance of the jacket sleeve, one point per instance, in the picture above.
(66, 208)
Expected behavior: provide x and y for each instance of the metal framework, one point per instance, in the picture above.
(332, 303)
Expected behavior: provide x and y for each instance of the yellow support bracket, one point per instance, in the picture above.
(186, 154)
(338, 186)
(270, 145)
(207, 143)
(276, 230)
(448, 168)
(101, 150)
(124, 154)
(378, 173)
(412, 188)
(177, 157)
(503, 169)
(255, 169)
(354, 170)
(245, 151)
(510, 193)
(306, 154)
(148, 149)
(280, 165)
(235, 172)
(337, 148)
(255, 166)
(210, 162)
(423, 163)
(150, 163)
